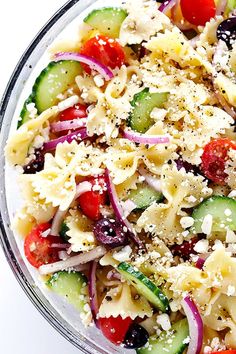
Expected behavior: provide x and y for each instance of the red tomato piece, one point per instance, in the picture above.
(106, 50)
(214, 159)
(198, 12)
(37, 248)
(91, 202)
(115, 329)
(225, 352)
(78, 111)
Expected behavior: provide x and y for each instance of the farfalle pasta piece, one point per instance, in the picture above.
(23, 222)
(122, 302)
(164, 219)
(227, 88)
(56, 182)
(80, 231)
(223, 316)
(142, 22)
(90, 92)
(18, 143)
(35, 206)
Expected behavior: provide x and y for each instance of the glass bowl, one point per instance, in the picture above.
(59, 314)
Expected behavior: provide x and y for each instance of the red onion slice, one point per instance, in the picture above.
(119, 212)
(220, 9)
(145, 139)
(61, 246)
(152, 181)
(74, 261)
(82, 188)
(200, 263)
(68, 124)
(167, 5)
(93, 291)
(80, 134)
(93, 63)
(195, 325)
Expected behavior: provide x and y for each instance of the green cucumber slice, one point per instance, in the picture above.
(25, 114)
(55, 79)
(144, 196)
(63, 231)
(231, 5)
(223, 212)
(143, 103)
(70, 286)
(171, 342)
(107, 20)
(144, 286)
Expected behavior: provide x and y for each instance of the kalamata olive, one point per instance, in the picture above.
(35, 165)
(136, 337)
(226, 31)
(180, 163)
(185, 249)
(110, 233)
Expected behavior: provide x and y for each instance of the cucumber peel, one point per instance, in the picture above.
(25, 114)
(144, 286)
(107, 20)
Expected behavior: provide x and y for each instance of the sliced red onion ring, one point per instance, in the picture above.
(128, 206)
(74, 261)
(93, 291)
(200, 263)
(112, 274)
(82, 188)
(61, 246)
(152, 181)
(93, 63)
(80, 134)
(167, 5)
(220, 9)
(145, 139)
(195, 325)
(119, 211)
(63, 255)
(68, 124)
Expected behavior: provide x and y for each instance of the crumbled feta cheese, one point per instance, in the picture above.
(218, 244)
(230, 237)
(231, 290)
(99, 81)
(232, 194)
(227, 212)
(201, 246)
(207, 224)
(69, 102)
(123, 255)
(164, 321)
(191, 199)
(186, 222)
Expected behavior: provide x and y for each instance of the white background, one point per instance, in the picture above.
(22, 329)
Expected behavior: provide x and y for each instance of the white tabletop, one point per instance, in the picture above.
(22, 329)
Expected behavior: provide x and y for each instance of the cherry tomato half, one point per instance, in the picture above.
(91, 202)
(198, 12)
(115, 329)
(78, 111)
(37, 248)
(226, 352)
(214, 159)
(106, 50)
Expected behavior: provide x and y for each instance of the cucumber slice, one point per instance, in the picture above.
(144, 286)
(231, 5)
(143, 103)
(63, 231)
(25, 114)
(70, 286)
(56, 78)
(144, 196)
(171, 342)
(223, 211)
(107, 20)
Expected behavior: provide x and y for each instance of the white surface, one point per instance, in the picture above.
(23, 330)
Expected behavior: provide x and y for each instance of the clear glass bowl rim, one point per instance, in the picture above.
(6, 235)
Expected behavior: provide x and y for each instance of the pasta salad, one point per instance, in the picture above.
(126, 152)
